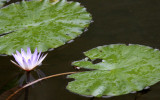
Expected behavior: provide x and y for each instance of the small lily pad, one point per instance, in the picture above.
(43, 24)
(123, 69)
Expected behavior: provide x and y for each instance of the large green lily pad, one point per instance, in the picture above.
(123, 69)
(40, 24)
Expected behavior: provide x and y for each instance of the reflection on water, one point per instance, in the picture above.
(127, 21)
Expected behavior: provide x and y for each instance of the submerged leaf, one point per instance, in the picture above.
(123, 69)
(40, 24)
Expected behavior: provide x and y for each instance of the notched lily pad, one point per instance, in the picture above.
(123, 69)
(42, 24)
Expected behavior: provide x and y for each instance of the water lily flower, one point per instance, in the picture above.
(28, 61)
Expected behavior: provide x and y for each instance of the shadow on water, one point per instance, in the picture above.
(125, 21)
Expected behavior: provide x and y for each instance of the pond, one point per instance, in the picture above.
(125, 21)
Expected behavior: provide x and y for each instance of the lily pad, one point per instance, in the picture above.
(42, 24)
(123, 69)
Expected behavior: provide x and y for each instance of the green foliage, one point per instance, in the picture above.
(123, 69)
(41, 24)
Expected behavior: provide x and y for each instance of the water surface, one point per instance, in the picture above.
(115, 21)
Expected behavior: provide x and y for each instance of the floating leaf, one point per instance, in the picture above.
(123, 69)
(40, 24)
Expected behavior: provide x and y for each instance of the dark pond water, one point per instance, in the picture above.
(115, 21)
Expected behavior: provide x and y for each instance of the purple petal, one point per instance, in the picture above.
(29, 52)
(13, 55)
(18, 60)
(41, 59)
(39, 56)
(34, 57)
(30, 66)
(35, 60)
(25, 64)
(18, 54)
(16, 64)
(35, 52)
(23, 53)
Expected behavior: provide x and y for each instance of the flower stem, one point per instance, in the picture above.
(38, 80)
(27, 81)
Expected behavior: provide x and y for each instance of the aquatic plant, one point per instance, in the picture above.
(116, 69)
(121, 69)
(42, 24)
(28, 61)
